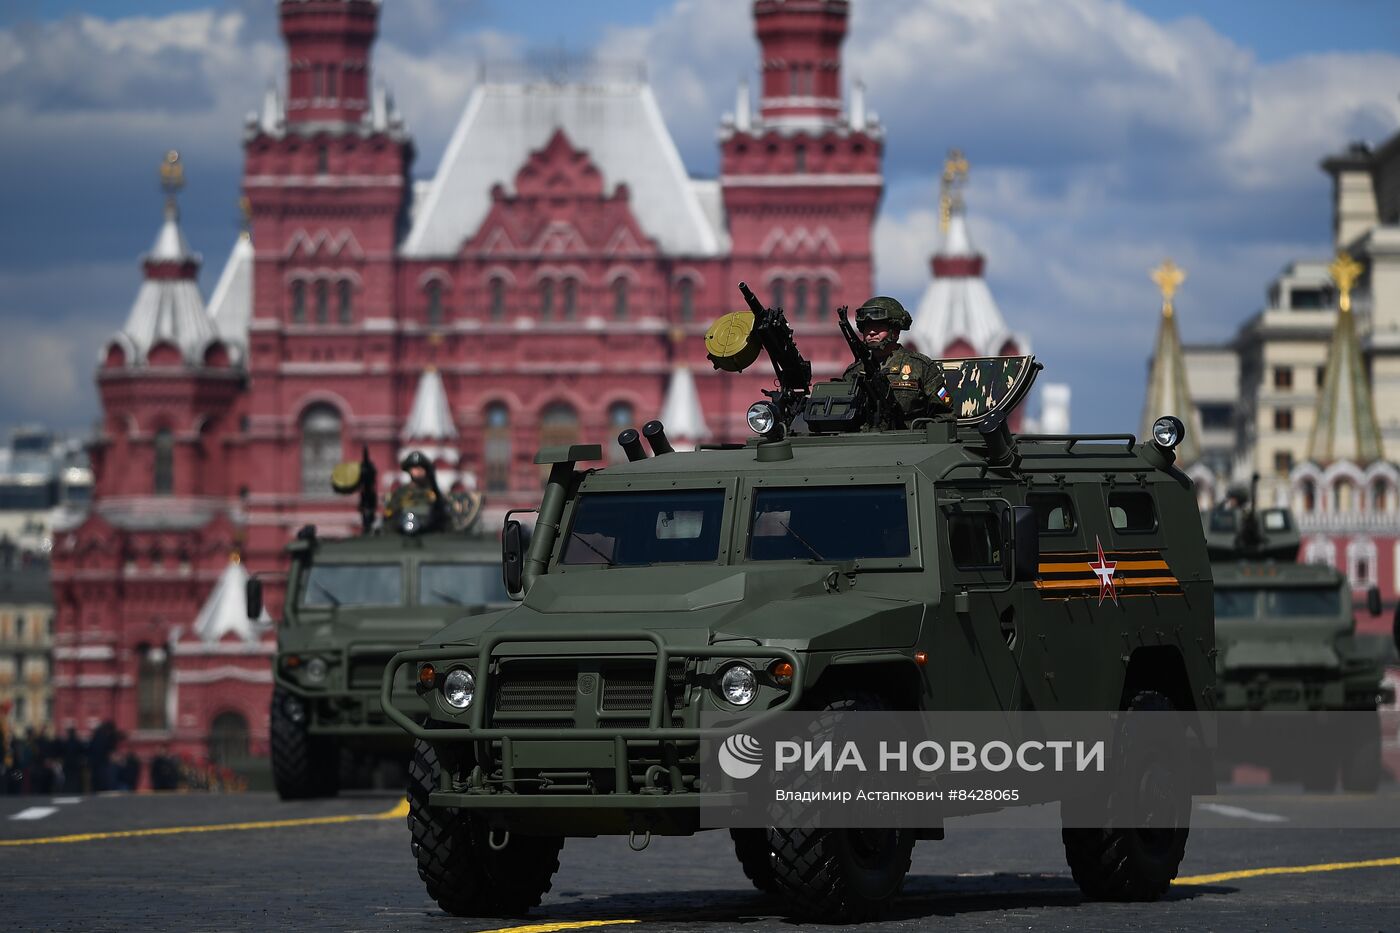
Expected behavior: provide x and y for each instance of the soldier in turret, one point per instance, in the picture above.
(917, 381)
(420, 497)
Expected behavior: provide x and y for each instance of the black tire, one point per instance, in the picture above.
(302, 767)
(1133, 863)
(840, 875)
(1361, 764)
(756, 857)
(459, 868)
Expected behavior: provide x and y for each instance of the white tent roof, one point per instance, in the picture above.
(960, 306)
(619, 125)
(431, 416)
(231, 305)
(170, 245)
(681, 411)
(226, 609)
(168, 310)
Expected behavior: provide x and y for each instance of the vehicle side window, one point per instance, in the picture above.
(975, 540)
(1132, 511)
(1054, 512)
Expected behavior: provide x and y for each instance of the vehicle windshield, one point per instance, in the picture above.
(829, 523)
(332, 586)
(633, 529)
(460, 585)
(1282, 603)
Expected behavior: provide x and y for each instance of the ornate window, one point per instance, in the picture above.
(546, 299)
(1361, 561)
(686, 289)
(497, 297)
(779, 288)
(824, 298)
(228, 739)
(434, 313)
(1380, 495)
(323, 302)
(799, 298)
(152, 687)
(1308, 494)
(570, 298)
(497, 440)
(163, 470)
(320, 448)
(298, 302)
(619, 290)
(347, 300)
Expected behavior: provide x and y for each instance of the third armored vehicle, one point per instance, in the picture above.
(940, 565)
(1287, 642)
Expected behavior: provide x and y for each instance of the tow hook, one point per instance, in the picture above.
(498, 844)
(632, 840)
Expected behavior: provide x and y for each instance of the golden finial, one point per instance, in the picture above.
(245, 210)
(950, 188)
(1344, 271)
(234, 557)
(172, 173)
(1168, 277)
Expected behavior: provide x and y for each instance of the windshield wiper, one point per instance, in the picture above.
(811, 550)
(334, 600)
(447, 598)
(584, 541)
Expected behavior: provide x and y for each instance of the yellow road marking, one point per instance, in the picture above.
(1287, 870)
(397, 813)
(562, 925)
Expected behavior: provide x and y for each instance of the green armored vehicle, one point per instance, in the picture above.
(1287, 643)
(350, 604)
(875, 562)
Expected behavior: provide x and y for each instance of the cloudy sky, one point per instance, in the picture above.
(1102, 135)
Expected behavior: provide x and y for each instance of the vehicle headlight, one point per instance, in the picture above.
(1168, 431)
(738, 684)
(315, 671)
(458, 688)
(762, 417)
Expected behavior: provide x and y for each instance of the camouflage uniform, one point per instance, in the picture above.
(423, 498)
(919, 387)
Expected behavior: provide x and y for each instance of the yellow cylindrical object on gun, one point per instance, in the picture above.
(731, 344)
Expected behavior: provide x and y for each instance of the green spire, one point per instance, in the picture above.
(1167, 390)
(1346, 426)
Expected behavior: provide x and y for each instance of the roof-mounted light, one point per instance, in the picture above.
(1168, 431)
(762, 418)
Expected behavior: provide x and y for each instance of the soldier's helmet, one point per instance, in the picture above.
(416, 458)
(881, 308)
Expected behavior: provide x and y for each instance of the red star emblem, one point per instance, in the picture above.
(1104, 571)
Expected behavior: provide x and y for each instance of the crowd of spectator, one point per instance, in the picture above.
(38, 764)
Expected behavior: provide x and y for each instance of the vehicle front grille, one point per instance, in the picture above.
(526, 692)
(536, 695)
(366, 671)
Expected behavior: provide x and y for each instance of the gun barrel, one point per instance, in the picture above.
(751, 299)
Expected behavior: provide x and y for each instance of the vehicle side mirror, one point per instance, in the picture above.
(254, 596)
(1373, 600)
(1021, 531)
(513, 557)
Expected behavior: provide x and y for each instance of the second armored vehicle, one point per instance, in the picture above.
(1287, 642)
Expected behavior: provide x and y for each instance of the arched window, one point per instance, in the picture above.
(298, 302)
(323, 302)
(163, 469)
(687, 299)
(347, 300)
(621, 416)
(619, 290)
(497, 290)
(1309, 496)
(824, 298)
(799, 298)
(546, 299)
(779, 287)
(320, 448)
(558, 425)
(1345, 495)
(228, 739)
(497, 453)
(152, 687)
(570, 298)
(1380, 498)
(434, 292)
